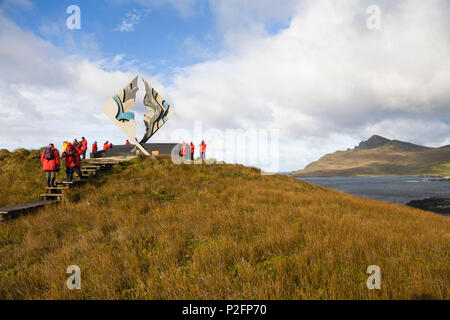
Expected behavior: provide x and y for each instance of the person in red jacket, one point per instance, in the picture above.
(76, 144)
(72, 156)
(78, 162)
(202, 150)
(106, 145)
(192, 151)
(50, 164)
(94, 147)
(127, 143)
(183, 150)
(84, 146)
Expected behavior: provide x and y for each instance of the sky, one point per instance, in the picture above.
(308, 77)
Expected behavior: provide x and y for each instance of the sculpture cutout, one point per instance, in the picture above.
(161, 112)
(118, 106)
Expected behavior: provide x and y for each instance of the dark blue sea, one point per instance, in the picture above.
(393, 189)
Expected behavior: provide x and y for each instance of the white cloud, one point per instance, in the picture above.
(325, 80)
(16, 3)
(237, 15)
(326, 74)
(195, 48)
(186, 8)
(131, 19)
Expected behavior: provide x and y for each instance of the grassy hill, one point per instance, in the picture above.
(381, 157)
(150, 229)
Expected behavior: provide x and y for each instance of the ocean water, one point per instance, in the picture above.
(393, 189)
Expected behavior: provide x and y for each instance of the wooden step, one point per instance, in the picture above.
(65, 183)
(19, 209)
(57, 190)
(103, 163)
(87, 172)
(91, 167)
(51, 195)
(70, 183)
(102, 160)
(87, 175)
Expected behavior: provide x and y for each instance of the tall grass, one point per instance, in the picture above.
(154, 230)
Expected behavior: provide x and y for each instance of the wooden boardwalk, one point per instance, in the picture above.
(20, 209)
(56, 194)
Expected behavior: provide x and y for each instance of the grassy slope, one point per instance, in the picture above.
(385, 160)
(154, 230)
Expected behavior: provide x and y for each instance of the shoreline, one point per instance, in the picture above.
(435, 177)
(435, 204)
(438, 203)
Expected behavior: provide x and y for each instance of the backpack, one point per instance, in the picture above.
(48, 154)
(69, 152)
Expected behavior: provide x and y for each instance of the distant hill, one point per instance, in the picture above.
(381, 156)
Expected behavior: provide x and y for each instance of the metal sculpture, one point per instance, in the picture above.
(118, 106)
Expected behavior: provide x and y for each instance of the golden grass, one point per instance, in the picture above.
(154, 230)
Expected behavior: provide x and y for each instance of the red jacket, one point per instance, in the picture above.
(94, 147)
(183, 149)
(106, 146)
(78, 147)
(203, 147)
(74, 160)
(50, 165)
(83, 145)
(192, 148)
(127, 143)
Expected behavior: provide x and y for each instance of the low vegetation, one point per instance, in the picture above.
(150, 229)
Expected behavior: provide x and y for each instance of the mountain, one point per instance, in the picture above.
(381, 156)
(374, 142)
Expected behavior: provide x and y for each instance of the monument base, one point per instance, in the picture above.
(124, 150)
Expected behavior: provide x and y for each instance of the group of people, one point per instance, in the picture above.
(72, 152)
(107, 145)
(184, 150)
(81, 146)
(75, 151)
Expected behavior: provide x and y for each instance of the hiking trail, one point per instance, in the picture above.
(53, 195)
